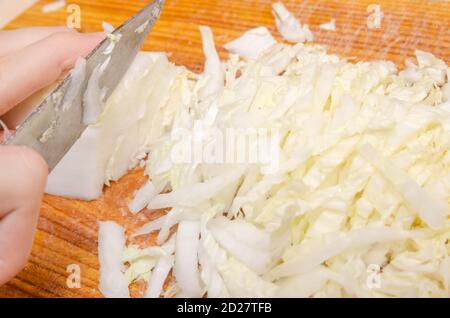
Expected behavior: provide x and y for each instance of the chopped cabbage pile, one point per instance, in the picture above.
(353, 199)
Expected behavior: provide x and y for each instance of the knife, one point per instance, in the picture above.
(51, 129)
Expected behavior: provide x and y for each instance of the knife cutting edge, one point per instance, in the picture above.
(52, 129)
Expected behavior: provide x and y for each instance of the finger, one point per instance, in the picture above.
(4, 135)
(21, 111)
(40, 64)
(15, 40)
(23, 175)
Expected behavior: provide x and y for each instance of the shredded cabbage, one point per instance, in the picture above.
(352, 199)
(142, 197)
(111, 242)
(289, 27)
(252, 43)
(329, 26)
(54, 6)
(186, 259)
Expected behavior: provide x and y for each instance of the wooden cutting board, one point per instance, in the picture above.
(67, 231)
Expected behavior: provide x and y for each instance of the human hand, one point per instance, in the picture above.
(30, 59)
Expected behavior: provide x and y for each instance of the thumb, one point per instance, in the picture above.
(23, 175)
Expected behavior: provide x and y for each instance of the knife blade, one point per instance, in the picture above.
(52, 129)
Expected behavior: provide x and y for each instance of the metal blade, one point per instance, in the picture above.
(52, 129)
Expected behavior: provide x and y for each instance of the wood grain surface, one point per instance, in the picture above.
(67, 232)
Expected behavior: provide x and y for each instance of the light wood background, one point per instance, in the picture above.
(11, 9)
(67, 231)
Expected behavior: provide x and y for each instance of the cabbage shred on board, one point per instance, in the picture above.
(358, 201)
